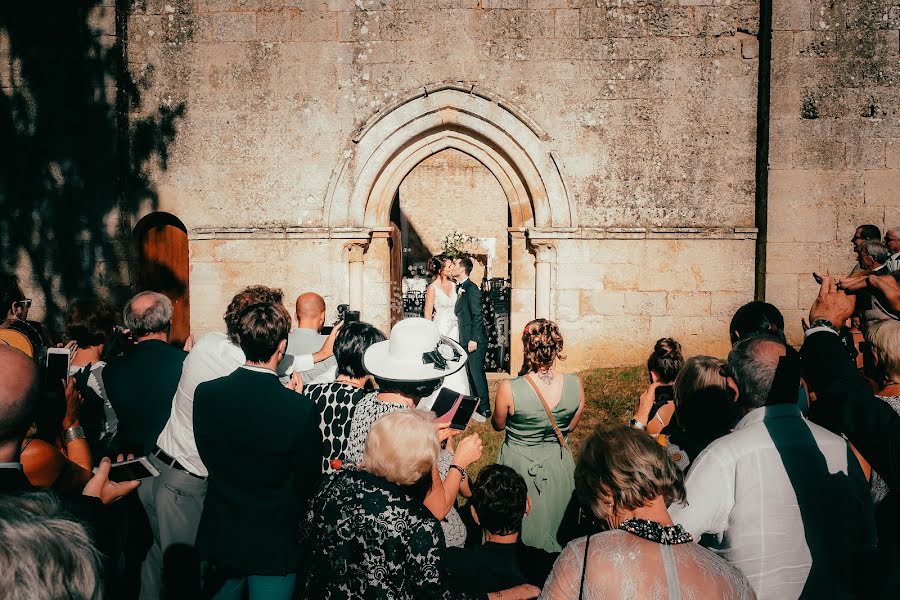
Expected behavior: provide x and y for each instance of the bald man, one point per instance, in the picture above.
(307, 339)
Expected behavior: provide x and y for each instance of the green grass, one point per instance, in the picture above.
(610, 397)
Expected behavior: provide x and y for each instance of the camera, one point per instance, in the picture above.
(344, 314)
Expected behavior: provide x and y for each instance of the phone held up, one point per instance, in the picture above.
(58, 360)
(344, 314)
(132, 470)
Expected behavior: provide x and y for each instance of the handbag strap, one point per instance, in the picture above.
(587, 544)
(559, 435)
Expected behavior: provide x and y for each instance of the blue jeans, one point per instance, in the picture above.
(261, 587)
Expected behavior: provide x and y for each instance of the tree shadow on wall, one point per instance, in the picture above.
(76, 167)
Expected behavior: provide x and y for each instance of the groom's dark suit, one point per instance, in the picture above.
(471, 329)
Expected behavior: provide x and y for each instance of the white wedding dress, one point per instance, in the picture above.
(448, 325)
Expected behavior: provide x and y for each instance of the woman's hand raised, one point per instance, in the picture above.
(468, 451)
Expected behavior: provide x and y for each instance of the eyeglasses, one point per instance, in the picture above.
(23, 303)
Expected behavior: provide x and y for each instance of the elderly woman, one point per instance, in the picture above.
(628, 480)
(538, 410)
(370, 534)
(884, 368)
(337, 401)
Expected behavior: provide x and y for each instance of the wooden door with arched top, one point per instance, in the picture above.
(163, 266)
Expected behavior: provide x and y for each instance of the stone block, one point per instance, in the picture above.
(793, 15)
(815, 186)
(567, 304)
(234, 27)
(791, 220)
(818, 153)
(275, 26)
(620, 277)
(645, 303)
(725, 304)
(567, 23)
(583, 276)
(689, 304)
(892, 154)
(882, 187)
(668, 279)
(782, 290)
(601, 302)
(315, 26)
(791, 257)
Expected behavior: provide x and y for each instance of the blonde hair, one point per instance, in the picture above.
(402, 446)
(884, 337)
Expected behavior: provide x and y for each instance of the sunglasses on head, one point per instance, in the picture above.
(23, 303)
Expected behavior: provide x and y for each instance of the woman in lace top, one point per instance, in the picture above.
(628, 480)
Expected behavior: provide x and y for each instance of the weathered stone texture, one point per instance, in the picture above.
(834, 140)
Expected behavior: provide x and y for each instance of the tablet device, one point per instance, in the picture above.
(131, 470)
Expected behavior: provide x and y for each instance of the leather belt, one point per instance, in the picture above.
(172, 462)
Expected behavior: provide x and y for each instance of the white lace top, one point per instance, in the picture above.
(623, 566)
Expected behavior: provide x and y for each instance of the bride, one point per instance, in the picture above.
(440, 307)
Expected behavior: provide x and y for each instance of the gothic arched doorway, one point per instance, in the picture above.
(163, 266)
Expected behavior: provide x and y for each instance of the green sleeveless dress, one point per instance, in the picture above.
(531, 449)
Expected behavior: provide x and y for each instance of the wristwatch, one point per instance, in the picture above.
(637, 424)
(823, 323)
(463, 473)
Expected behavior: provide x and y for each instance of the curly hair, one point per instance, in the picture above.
(254, 294)
(626, 467)
(543, 343)
(436, 264)
(666, 360)
(499, 496)
(90, 322)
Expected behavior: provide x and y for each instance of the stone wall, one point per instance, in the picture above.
(648, 109)
(835, 140)
(451, 191)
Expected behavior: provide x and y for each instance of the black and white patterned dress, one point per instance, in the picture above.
(368, 539)
(336, 403)
(367, 412)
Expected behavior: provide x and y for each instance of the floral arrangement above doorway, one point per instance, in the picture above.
(456, 244)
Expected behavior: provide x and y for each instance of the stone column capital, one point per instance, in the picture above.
(544, 250)
(356, 250)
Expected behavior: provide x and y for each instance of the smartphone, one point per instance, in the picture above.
(58, 360)
(132, 470)
(463, 413)
(664, 393)
(444, 404)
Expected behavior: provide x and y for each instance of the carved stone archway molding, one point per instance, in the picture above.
(436, 118)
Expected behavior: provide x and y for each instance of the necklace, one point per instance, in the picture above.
(546, 376)
(661, 534)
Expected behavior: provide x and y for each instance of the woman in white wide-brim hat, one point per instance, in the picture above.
(407, 367)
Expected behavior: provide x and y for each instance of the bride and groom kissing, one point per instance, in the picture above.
(453, 302)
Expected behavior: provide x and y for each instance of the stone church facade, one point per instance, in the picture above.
(643, 199)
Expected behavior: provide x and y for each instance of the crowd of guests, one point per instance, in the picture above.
(294, 464)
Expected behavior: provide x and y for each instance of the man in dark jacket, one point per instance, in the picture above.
(845, 404)
(141, 384)
(260, 443)
(472, 334)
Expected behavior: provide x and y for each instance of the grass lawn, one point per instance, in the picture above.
(610, 396)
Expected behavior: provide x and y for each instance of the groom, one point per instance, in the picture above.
(472, 335)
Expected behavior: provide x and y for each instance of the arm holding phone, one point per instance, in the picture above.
(442, 496)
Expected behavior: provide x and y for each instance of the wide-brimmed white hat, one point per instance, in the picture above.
(416, 351)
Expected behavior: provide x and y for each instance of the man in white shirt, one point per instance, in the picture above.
(780, 498)
(174, 500)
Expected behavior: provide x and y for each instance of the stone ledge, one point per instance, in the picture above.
(534, 234)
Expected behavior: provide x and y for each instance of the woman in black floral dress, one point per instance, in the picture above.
(337, 401)
(369, 535)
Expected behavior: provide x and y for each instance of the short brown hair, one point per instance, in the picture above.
(626, 467)
(543, 343)
(90, 322)
(253, 294)
(261, 327)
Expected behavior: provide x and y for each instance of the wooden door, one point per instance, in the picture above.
(164, 267)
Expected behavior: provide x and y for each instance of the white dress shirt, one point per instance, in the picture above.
(741, 499)
(211, 357)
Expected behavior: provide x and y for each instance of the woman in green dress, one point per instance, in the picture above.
(532, 447)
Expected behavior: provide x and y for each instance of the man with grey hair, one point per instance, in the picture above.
(892, 241)
(874, 257)
(142, 383)
(780, 498)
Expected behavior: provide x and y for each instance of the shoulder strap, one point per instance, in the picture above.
(559, 436)
(587, 544)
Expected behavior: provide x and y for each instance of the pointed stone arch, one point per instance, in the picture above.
(479, 124)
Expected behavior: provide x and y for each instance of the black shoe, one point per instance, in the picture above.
(484, 409)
